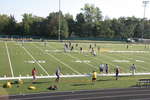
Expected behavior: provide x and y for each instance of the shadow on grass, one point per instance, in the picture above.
(81, 84)
(39, 82)
(15, 82)
(105, 80)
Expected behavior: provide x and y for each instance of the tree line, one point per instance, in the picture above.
(88, 23)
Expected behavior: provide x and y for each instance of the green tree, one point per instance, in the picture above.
(80, 21)
(71, 23)
(87, 20)
(4, 20)
(10, 28)
(52, 25)
(91, 13)
(27, 22)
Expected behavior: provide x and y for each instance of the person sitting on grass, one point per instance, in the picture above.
(53, 87)
(94, 76)
(34, 72)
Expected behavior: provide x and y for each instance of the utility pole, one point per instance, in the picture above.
(59, 23)
(145, 5)
(145, 2)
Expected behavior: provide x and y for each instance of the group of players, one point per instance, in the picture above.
(68, 47)
(103, 68)
(57, 73)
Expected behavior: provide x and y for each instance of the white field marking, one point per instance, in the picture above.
(115, 65)
(128, 51)
(82, 61)
(60, 51)
(103, 61)
(60, 61)
(35, 60)
(120, 61)
(139, 60)
(12, 73)
(129, 58)
(54, 50)
(70, 76)
(79, 59)
(32, 61)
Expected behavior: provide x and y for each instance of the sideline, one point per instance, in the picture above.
(69, 76)
(12, 73)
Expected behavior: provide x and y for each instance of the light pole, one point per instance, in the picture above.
(145, 5)
(145, 2)
(59, 23)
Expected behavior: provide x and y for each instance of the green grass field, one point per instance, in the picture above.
(71, 84)
(17, 59)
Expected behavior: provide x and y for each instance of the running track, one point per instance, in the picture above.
(106, 94)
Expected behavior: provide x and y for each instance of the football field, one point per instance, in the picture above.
(17, 59)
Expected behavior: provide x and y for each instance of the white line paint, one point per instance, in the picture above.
(12, 73)
(78, 59)
(35, 60)
(67, 76)
(128, 51)
(60, 61)
(85, 63)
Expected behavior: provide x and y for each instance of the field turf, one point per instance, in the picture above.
(17, 59)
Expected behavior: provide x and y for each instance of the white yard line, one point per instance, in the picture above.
(12, 73)
(145, 68)
(67, 76)
(85, 63)
(59, 61)
(79, 59)
(35, 60)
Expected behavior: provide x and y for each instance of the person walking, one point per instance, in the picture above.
(34, 72)
(57, 74)
(133, 69)
(106, 68)
(101, 68)
(117, 70)
(94, 76)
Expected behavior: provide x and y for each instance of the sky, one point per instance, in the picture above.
(109, 8)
